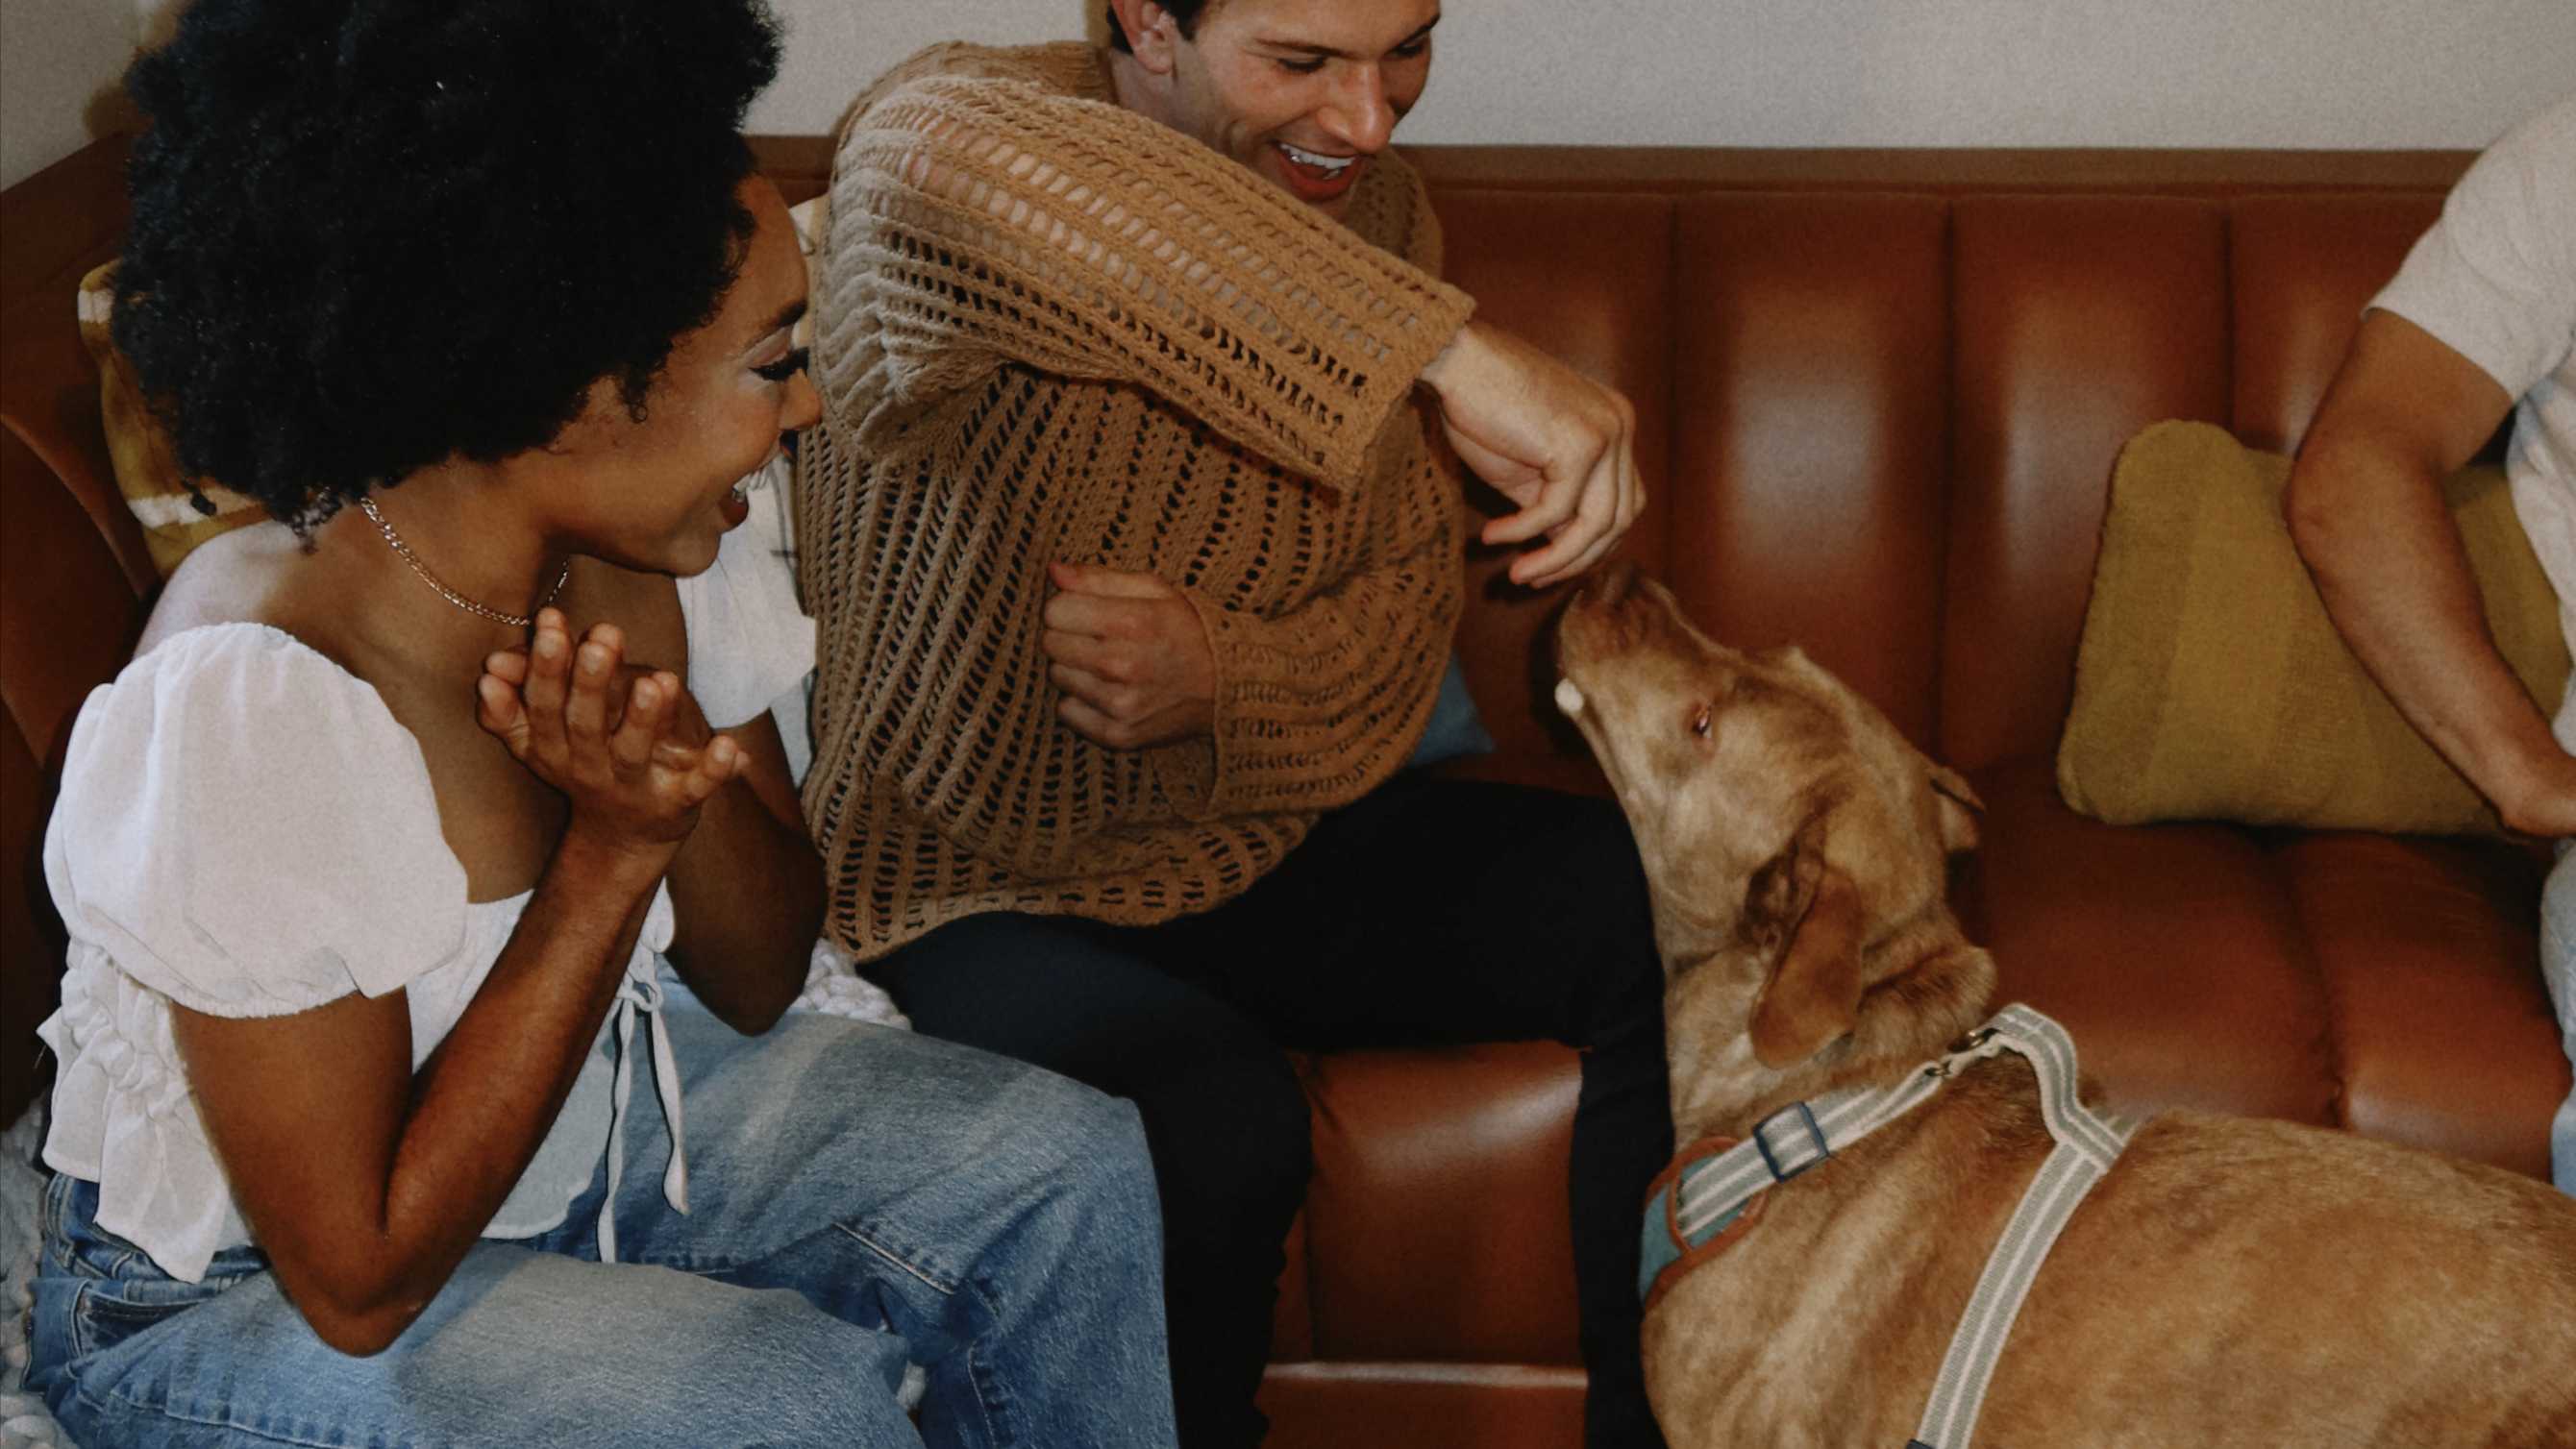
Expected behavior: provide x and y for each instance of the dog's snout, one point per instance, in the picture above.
(1610, 613)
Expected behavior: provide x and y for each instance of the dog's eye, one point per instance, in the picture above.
(1699, 722)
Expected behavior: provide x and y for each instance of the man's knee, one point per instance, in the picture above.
(1232, 1139)
(1629, 975)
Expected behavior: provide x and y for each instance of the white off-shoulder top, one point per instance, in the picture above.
(244, 828)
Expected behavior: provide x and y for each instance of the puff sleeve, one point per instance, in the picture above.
(244, 829)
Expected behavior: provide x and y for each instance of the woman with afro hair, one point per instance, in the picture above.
(369, 1121)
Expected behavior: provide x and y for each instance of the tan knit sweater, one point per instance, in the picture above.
(1049, 328)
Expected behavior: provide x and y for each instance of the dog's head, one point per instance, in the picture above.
(1794, 842)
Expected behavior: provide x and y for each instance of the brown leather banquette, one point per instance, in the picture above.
(1879, 394)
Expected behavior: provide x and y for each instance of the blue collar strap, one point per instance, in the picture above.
(1667, 1252)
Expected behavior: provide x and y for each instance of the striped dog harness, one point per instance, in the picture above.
(1713, 1191)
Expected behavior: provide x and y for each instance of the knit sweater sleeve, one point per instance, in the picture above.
(1318, 706)
(983, 215)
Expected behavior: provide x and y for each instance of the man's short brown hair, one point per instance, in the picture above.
(1185, 13)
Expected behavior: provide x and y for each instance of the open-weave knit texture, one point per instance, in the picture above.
(1051, 329)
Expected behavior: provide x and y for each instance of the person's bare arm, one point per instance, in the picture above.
(364, 1183)
(747, 890)
(2366, 512)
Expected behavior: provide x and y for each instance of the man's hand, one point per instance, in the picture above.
(1130, 655)
(1551, 440)
(2547, 806)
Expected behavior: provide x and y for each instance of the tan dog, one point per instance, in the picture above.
(2231, 1282)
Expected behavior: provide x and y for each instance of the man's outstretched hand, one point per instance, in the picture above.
(1551, 440)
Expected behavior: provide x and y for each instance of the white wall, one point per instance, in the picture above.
(2330, 73)
(59, 65)
(2324, 73)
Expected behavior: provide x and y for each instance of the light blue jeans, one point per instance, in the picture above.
(860, 1197)
(2558, 968)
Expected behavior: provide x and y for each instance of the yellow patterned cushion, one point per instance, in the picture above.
(147, 472)
(2210, 683)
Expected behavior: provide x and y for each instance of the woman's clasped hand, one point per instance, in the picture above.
(624, 742)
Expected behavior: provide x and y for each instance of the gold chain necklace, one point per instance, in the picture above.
(367, 506)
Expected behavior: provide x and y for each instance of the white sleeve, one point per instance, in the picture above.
(749, 639)
(2495, 278)
(246, 829)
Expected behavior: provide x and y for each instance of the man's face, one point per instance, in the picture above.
(1305, 92)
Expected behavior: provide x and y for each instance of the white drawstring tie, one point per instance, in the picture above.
(642, 990)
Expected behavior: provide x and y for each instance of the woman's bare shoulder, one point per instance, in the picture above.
(246, 576)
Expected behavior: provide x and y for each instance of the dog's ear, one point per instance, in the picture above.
(1959, 807)
(1810, 913)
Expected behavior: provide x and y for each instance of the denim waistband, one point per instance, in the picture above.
(94, 1290)
(74, 1244)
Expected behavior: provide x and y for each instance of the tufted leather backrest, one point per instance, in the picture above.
(1878, 395)
(1880, 423)
(73, 571)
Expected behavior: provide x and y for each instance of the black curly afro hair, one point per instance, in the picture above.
(369, 235)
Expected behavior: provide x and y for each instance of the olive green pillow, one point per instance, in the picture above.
(2210, 683)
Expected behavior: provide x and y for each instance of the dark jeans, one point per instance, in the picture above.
(1432, 911)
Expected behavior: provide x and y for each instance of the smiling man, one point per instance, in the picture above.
(1136, 559)
(1306, 95)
